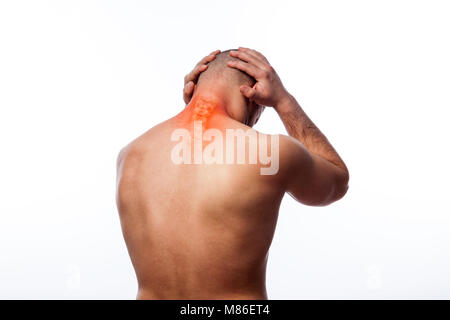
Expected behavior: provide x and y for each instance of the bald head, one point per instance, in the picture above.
(218, 71)
(223, 82)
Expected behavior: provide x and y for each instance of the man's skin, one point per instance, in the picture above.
(197, 231)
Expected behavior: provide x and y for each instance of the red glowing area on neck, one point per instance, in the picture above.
(202, 108)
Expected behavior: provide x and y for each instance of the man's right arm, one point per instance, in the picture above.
(318, 177)
(315, 174)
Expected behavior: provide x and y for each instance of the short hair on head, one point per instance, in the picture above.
(219, 70)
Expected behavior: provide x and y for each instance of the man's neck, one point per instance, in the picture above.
(203, 107)
(211, 102)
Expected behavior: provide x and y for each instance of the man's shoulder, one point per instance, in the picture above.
(239, 127)
(140, 145)
(286, 144)
(292, 154)
(289, 145)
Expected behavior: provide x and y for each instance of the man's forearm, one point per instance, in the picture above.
(300, 126)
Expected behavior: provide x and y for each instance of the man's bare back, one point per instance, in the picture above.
(203, 231)
(195, 231)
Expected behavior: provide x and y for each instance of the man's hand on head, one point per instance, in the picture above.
(268, 90)
(191, 78)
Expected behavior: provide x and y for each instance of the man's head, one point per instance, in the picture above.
(225, 81)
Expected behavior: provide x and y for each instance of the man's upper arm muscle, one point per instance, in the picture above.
(310, 179)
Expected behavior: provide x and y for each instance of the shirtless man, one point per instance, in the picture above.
(203, 231)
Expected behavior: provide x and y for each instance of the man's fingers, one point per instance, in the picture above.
(188, 87)
(248, 68)
(248, 92)
(206, 60)
(201, 66)
(215, 52)
(210, 57)
(244, 56)
(191, 78)
(193, 75)
(254, 53)
(187, 91)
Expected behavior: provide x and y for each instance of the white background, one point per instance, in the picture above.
(80, 79)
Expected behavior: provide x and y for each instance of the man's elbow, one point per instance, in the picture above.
(341, 185)
(323, 192)
(329, 194)
(338, 190)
